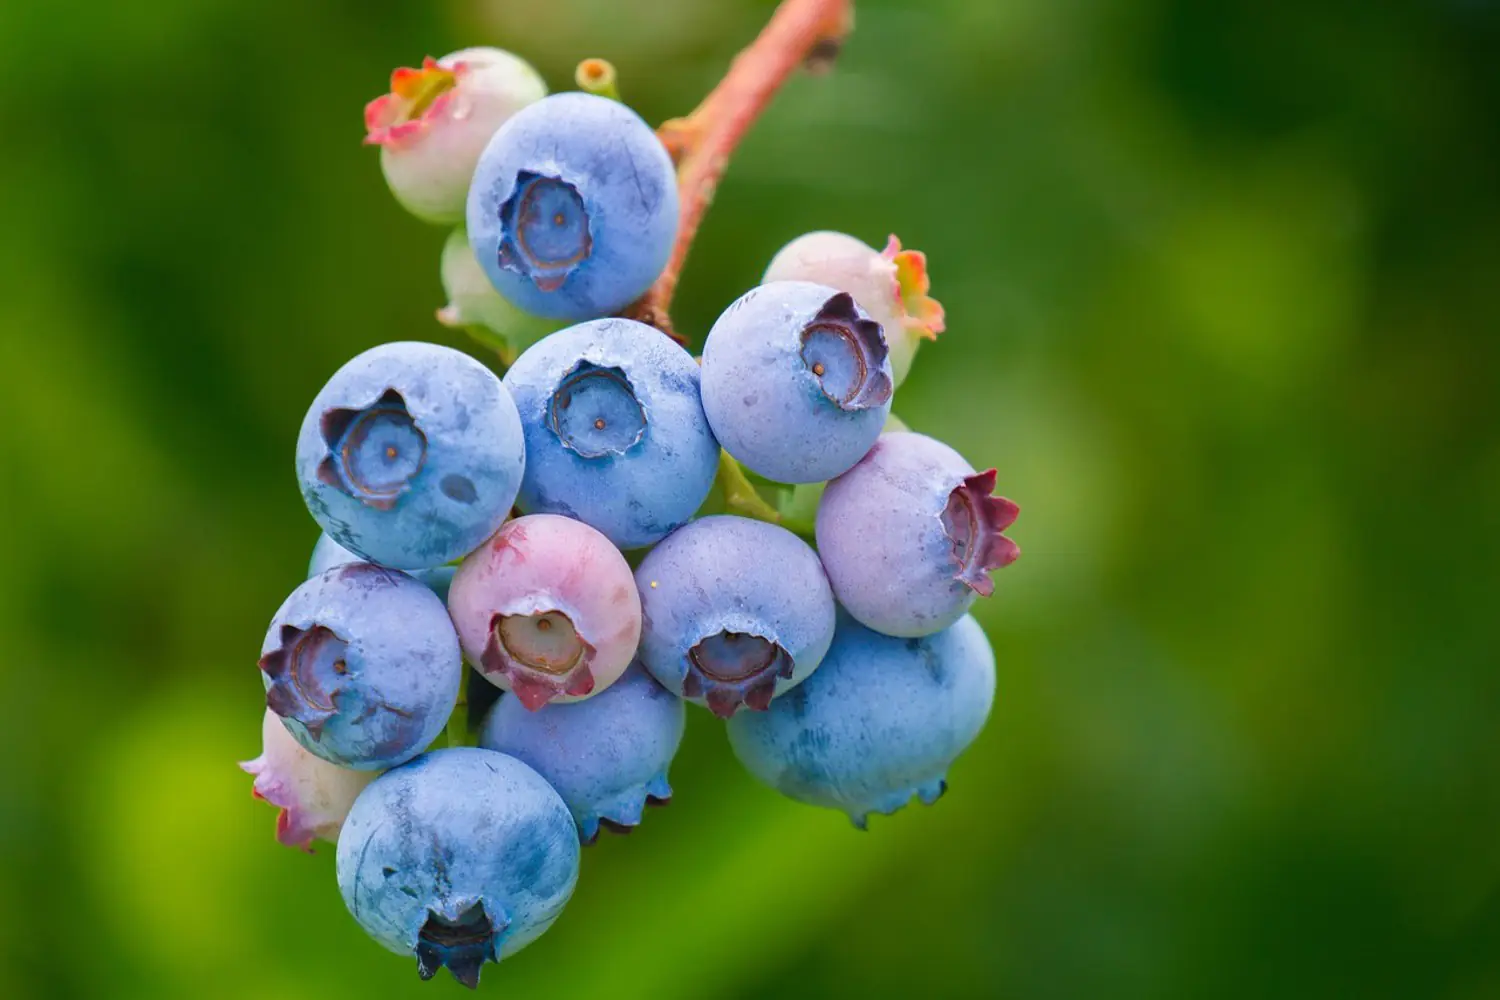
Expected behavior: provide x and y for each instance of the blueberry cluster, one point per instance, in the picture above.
(558, 534)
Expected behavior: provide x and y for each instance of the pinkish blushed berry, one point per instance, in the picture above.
(891, 285)
(547, 609)
(313, 795)
(436, 120)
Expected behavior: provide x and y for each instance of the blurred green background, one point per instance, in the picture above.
(1221, 290)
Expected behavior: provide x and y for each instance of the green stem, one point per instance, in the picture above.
(740, 496)
(799, 508)
(458, 723)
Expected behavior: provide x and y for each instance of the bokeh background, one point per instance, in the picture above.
(1221, 288)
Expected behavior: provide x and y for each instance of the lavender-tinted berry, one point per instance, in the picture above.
(910, 534)
(736, 612)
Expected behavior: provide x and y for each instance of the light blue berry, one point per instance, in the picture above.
(879, 722)
(615, 431)
(363, 666)
(411, 455)
(573, 209)
(796, 381)
(606, 756)
(462, 857)
(734, 612)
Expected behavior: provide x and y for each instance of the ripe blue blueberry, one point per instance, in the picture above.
(607, 756)
(411, 455)
(796, 381)
(363, 666)
(573, 209)
(910, 534)
(615, 431)
(878, 723)
(890, 284)
(735, 612)
(327, 554)
(462, 857)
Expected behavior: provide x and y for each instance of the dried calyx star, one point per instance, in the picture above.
(474, 576)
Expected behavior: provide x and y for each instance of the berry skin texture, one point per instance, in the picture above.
(436, 120)
(327, 554)
(462, 857)
(891, 285)
(736, 612)
(573, 210)
(910, 534)
(313, 795)
(547, 609)
(362, 665)
(411, 455)
(879, 722)
(796, 381)
(615, 431)
(607, 756)
(475, 306)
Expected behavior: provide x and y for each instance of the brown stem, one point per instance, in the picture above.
(799, 32)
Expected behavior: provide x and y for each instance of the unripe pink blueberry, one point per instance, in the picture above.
(475, 306)
(437, 119)
(547, 609)
(314, 796)
(891, 285)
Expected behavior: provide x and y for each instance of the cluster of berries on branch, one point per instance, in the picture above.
(553, 564)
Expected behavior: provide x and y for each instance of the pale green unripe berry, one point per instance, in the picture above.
(475, 306)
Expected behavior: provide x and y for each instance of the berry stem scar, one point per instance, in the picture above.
(801, 32)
